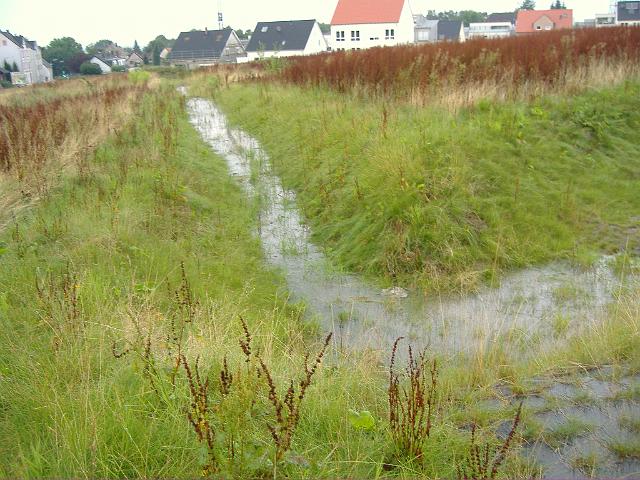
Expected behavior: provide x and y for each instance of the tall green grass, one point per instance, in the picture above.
(424, 197)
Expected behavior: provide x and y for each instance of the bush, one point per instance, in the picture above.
(118, 68)
(5, 84)
(88, 68)
(139, 77)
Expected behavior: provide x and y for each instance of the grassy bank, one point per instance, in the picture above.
(421, 196)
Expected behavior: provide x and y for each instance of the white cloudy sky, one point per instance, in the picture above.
(127, 20)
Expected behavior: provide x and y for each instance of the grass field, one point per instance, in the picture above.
(143, 334)
(424, 197)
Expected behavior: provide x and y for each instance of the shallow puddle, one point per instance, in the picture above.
(529, 311)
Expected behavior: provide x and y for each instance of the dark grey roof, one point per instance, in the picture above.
(19, 39)
(287, 35)
(449, 29)
(502, 17)
(201, 44)
(628, 11)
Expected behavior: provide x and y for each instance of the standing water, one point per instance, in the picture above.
(530, 311)
(525, 304)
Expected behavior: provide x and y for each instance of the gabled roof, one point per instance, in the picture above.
(449, 30)
(19, 39)
(501, 17)
(421, 21)
(101, 60)
(136, 54)
(286, 35)
(205, 43)
(367, 11)
(526, 18)
(628, 11)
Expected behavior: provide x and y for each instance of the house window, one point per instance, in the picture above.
(390, 34)
(355, 35)
(340, 36)
(4, 43)
(538, 27)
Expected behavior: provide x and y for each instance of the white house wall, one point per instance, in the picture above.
(251, 56)
(373, 34)
(10, 52)
(103, 66)
(316, 42)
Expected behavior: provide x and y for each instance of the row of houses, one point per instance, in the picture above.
(355, 25)
(361, 24)
(24, 60)
(108, 63)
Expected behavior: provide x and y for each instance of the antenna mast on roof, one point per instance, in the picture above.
(220, 17)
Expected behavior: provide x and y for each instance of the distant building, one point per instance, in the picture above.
(206, 47)
(605, 20)
(628, 14)
(27, 57)
(286, 39)
(533, 21)
(135, 60)
(502, 17)
(491, 30)
(164, 54)
(497, 25)
(451, 31)
(426, 30)
(104, 66)
(359, 24)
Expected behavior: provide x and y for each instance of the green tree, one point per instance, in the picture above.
(156, 55)
(99, 47)
(88, 68)
(60, 51)
(7, 67)
(464, 16)
(558, 5)
(528, 5)
(14, 67)
(136, 48)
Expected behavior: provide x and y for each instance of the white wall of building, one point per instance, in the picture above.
(103, 66)
(491, 30)
(361, 36)
(10, 52)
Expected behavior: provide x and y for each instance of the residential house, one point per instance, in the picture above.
(104, 66)
(491, 30)
(359, 24)
(497, 25)
(605, 20)
(286, 39)
(206, 47)
(164, 54)
(532, 21)
(135, 60)
(27, 56)
(451, 31)
(628, 14)
(426, 30)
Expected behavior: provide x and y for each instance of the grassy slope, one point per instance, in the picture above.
(115, 234)
(67, 407)
(443, 200)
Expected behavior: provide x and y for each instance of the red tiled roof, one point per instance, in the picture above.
(526, 19)
(367, 11)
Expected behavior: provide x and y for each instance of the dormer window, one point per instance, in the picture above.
(264, 29)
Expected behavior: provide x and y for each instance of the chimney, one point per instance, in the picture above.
(206, 31)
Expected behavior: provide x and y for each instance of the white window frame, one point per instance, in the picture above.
(340, 36)
(390, 34)
(355, 35)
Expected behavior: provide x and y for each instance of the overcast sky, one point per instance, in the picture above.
(124, 21)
